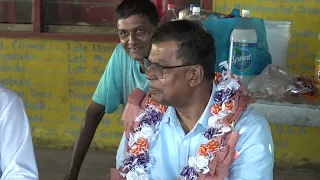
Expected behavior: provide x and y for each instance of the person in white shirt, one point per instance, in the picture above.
(17, 158)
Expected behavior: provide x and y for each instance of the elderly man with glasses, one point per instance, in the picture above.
(190, 126)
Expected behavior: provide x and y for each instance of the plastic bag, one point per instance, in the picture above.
(275, 82)
(278, 36)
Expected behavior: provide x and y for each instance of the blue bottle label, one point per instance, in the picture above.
(244, 58)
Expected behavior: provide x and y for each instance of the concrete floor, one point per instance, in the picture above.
(53, 165)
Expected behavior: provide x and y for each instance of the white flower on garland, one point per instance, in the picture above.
(199, 163)
(154, 108)
(225, 129)
(213, 122)
(233, 84)
(137, 174)
(147, 132)
(228, 83)
(139, 118)
(133, 139)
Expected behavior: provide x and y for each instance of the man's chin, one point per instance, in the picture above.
(136, 57)
(155, 98)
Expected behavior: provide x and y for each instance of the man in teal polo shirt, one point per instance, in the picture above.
(137, 20)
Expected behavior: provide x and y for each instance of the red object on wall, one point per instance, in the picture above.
(103, 13)
(97, 12)
(158, 6)
(7, 12)
(180, 4)
(11, 12)
(2, 12)
(207, 5)
(65, 12)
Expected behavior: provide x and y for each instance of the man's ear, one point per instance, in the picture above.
(196, 74)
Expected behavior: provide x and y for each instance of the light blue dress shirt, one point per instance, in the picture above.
(120, 78)
(173, 147)
(17, 157)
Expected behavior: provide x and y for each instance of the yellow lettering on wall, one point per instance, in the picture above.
(56, 80)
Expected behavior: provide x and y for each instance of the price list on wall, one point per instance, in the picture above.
(56, 81)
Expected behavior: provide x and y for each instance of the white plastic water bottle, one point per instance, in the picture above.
(195, 14)
(243, 47)
(186, 13)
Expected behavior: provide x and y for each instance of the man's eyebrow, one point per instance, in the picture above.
(160, 64)
(134, 28)
(156, 63)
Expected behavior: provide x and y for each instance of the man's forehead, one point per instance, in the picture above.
(133, 22)
(163, 51)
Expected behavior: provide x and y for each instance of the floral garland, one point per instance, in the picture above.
(137, 163)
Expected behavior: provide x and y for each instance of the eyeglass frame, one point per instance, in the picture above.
(148, 65)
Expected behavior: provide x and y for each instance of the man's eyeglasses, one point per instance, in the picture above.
(158, 70)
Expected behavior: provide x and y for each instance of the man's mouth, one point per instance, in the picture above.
(135, 49)
(151, 89)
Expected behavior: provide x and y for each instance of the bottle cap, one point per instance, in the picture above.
(196, 9)
(245, 13)
(193, 5)
(171, 6)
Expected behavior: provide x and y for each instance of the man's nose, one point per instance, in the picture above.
(150, 74)
(132, 39)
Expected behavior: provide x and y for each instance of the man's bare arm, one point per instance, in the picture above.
(94, 114)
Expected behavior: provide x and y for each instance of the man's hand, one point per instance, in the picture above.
(94, 114)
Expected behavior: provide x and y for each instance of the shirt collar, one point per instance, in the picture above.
(171, 114)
